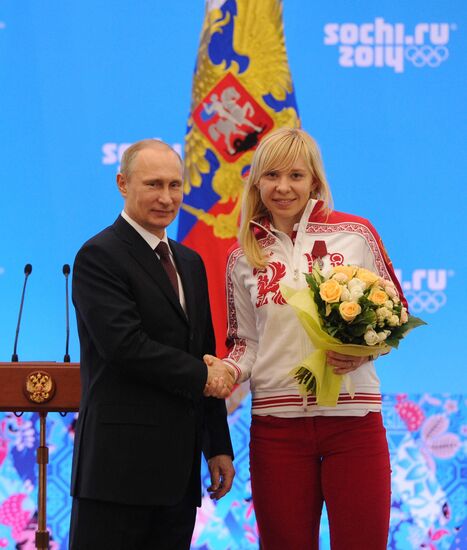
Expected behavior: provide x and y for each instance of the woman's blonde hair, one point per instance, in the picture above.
(278, 151)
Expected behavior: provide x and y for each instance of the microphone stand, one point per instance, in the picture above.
(27, 272)
(66, 272)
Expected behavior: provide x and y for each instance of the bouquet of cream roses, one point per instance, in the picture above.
(351, 311)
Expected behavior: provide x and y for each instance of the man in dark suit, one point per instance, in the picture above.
(144, 325)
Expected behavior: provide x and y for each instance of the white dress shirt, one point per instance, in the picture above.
(153, 241)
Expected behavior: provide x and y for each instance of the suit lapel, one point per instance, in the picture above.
(147, 258)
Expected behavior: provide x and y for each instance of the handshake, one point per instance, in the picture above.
(221, 378)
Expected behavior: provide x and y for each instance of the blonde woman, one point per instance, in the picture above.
(301, 454)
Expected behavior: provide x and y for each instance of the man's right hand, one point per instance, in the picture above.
(220, 380)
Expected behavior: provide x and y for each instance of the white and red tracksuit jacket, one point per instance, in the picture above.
(266, 336)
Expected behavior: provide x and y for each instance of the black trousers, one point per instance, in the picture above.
(97, 525)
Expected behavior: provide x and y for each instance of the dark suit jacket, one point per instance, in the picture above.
(143, 418)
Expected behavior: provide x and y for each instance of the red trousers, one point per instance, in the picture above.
(297, 463)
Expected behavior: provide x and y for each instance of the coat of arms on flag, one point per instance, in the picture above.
(231, 119)
(242, 89)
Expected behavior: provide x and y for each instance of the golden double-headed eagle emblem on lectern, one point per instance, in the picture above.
(39, 387)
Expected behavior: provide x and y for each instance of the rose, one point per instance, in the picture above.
(330, 291)
(348, 270)
(340, 277)
(378, 296)
(404, 316)
(368, 277)
(345, 296)
(356, 294)
(383, 313)
(371, 337)
(356, 288)
(383, 335)
(389, 304)
(356, 284)
(349, 310)
(390, 290)
(393, 321)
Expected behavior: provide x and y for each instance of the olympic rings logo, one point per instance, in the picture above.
(421, 301)
(426, 55)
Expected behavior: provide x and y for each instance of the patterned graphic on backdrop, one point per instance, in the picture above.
(425, 289)
(19, 438)
(381, 44)
(427, 437)
(242, 88)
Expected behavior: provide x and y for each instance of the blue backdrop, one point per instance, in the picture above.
(380, 86)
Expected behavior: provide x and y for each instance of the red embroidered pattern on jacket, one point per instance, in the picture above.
(267, 241)
(232, 316)
(360, 229)
(267, 285)
(231, 262)
(238, 350)
(336, 259)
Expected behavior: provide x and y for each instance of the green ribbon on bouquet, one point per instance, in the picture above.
(314, 376)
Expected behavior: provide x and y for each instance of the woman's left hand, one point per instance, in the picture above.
(343, 364)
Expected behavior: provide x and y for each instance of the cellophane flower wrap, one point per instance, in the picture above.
(351, 311)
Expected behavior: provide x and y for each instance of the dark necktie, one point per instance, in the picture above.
(163, 250)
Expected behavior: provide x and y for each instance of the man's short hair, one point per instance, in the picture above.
(129, 155)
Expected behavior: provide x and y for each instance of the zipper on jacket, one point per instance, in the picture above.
(286, 252)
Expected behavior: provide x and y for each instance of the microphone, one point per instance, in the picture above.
(27, 272)
(66, 272)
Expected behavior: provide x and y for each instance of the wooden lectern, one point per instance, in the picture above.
(40, 387)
